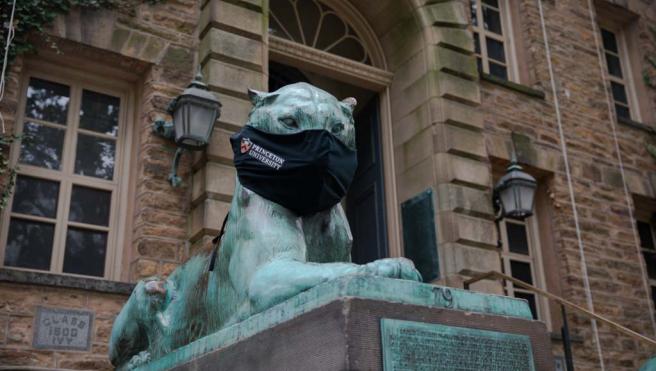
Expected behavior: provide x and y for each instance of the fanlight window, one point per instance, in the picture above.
(312, 23)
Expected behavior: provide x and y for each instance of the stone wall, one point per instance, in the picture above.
(520, 115)
(451, 130)
(158, 45)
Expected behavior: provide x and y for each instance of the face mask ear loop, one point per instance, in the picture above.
(217, 241)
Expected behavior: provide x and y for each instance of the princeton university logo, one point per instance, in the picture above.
(246, 145)
(262, 155)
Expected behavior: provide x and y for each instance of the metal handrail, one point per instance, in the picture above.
(569, 304)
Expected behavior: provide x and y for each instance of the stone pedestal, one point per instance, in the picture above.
(363, 323)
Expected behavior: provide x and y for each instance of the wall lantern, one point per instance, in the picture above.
(514, 193)
(194, 113)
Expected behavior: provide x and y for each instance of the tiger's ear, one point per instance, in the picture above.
(260, 97)
(350, 103)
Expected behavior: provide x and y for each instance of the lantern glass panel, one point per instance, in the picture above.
(527, 194)
(194, 121)
(508, 200)
(201, 119)
(180, 120)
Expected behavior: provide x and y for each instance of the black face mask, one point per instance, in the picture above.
(306, 172)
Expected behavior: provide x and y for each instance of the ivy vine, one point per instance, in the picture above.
(7, 173)
(32, 17)
(649, 72)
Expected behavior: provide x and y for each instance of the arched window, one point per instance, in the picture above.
(316, 25)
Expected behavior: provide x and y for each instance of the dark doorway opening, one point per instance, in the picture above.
(365, 200)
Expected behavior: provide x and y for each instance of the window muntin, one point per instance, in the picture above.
(62, 216)
(648, 248)
(312, 23)
(617, 73)
(521, 259)
(492, 37)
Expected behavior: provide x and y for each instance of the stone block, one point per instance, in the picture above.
(402, 42)
(154, 49)
(469, 260)
(459, 141)
(226, 13)
(97, 26)
(466, 230)
(135, 45)
(233, 78)
(415, 180)
(206, 218)
(340, 325)
(612, 176)
(234, 112)
(453, 62)
(214, 178)
(463, 199)
(452, 38)
(411, 124)
(19, 331)
(219, 146)
(418, 148)
(158, 248)
(460, 170)
(638, 184)
(455, 113)
(143, 268)
(231, 45)
(456, 88)
(445, 14)
(119, 38)
(409, 71)
(31, 358)
(178, 65)
(407, 99)
(220, 179)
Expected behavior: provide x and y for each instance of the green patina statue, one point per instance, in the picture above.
(268, 253)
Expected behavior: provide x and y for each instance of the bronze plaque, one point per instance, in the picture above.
(419, 236)
(410, 345)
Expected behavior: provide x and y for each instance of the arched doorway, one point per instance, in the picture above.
(325, 48)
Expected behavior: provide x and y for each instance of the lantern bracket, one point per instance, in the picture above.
(164, 129)
(195, 103)
(174, 179)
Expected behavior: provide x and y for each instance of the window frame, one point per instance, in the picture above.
(627, 79)
(77, 80)
(534, 259)
(650, 281)
(507, 38)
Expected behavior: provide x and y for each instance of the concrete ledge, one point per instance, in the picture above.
(382, 290)
(60, 280)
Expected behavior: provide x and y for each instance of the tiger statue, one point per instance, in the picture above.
(268, 253)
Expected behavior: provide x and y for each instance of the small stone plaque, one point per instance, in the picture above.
(63, 329)
(425, 346)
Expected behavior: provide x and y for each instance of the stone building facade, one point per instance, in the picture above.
(458, 87)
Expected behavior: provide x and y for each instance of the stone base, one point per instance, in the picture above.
(337, 326)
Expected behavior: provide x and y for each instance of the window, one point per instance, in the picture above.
(521, 259)
(314, 24)
(492, 37)
(63, 216)
(619, 74)
(648, 247)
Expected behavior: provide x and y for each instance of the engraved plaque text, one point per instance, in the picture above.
(63, 329)
(426, 346)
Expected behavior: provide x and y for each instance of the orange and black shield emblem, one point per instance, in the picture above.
(246, 145)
